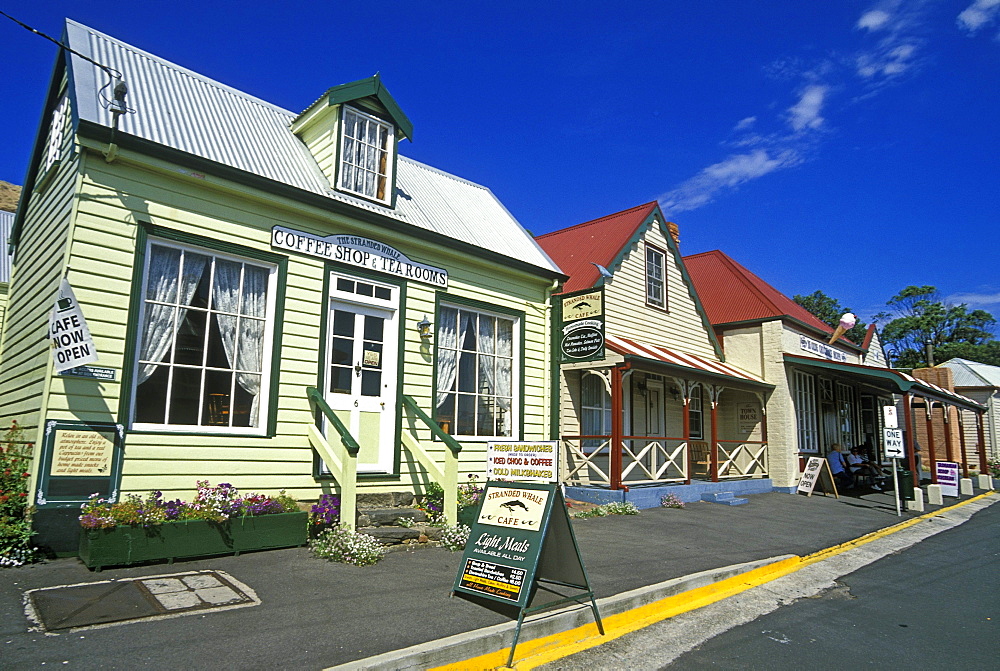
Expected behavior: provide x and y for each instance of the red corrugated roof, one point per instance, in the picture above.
(577, 248)
(731, 293)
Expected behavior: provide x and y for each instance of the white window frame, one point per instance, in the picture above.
(515, 368)
(348, 162)
(656, 277)
(696, 409)
(600, 413)
(56, 137)
(806, 411)
(267, 355)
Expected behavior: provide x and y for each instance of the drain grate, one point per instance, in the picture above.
(120, 601)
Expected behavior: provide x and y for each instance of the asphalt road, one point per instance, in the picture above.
(932, 605)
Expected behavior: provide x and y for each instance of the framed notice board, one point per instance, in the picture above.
(79, 459)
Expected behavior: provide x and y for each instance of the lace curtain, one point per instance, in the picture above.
(169, 290)
(242, 336)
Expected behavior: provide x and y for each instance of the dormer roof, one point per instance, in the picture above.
(371, 89)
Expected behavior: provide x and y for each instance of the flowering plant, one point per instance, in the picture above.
(454, 538)
(433, 503)
(326, 512)
(469, 493)
(214, 504)
(349, 547)
(15, 511)
(671, 501)
(993, 467)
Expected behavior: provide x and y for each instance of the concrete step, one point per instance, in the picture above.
(725, 498)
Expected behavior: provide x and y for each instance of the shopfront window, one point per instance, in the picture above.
(204, 343)
(476, 372)
(595, 411)
(805, 411)
(847, 419)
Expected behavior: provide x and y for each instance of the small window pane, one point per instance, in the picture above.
(184, 396)
(374, 327)
(345, 285)
(343, 323)
(365, 289)
(191, 338)
(371, 383)
(383, 293)
(340, 379)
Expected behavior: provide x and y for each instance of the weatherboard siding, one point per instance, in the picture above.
(114, 197)
(680, 327)
(34, 284)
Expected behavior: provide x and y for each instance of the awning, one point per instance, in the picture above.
(897, 381)
(680, 361)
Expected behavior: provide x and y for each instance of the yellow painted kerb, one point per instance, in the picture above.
(543, 650)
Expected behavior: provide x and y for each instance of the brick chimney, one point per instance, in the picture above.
(675, 233)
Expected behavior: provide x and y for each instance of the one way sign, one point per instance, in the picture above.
(893, 443)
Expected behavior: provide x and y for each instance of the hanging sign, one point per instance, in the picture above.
(360, 252)
(947, 477)
(522, 461)
(582, 317)
(72, 344)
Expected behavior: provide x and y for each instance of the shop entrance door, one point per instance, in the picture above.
(361, 368)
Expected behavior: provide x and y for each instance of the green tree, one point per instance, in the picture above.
(919, 314)
(829, 311)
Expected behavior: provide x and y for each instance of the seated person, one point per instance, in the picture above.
(859, 466)
(839, 468)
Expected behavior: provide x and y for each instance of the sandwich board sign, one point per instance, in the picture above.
(817, 471)
(522, 538)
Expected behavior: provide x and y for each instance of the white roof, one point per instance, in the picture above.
(972, 373)
(183, 110)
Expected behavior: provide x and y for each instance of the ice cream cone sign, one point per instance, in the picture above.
(847, 322)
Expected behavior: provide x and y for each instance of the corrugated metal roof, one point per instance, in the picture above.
(731, 293)
(972, 373)
(578, 247)
(904, 381)
(629, 347)
(6, 222)
(183, 110)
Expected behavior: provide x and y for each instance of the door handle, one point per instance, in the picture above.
(357, 369)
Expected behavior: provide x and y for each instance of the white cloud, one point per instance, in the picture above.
(727, 174)
(744, 124)
(806, 112)
(979, 14)
(874, 19)
(975, 300)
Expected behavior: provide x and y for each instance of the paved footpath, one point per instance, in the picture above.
(397, 614)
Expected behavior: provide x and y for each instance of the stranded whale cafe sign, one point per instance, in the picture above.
(582, 315)
(360, 252)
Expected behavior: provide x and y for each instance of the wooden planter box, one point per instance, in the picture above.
(191, 538)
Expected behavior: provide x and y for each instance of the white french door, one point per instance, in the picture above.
(362, 349)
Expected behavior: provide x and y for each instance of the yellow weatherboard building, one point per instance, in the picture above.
(277, 300)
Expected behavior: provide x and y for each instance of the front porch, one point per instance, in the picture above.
(646, 424)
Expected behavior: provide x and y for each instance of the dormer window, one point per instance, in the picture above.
(366, 155)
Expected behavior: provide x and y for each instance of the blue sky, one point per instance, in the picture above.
(845, 146)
